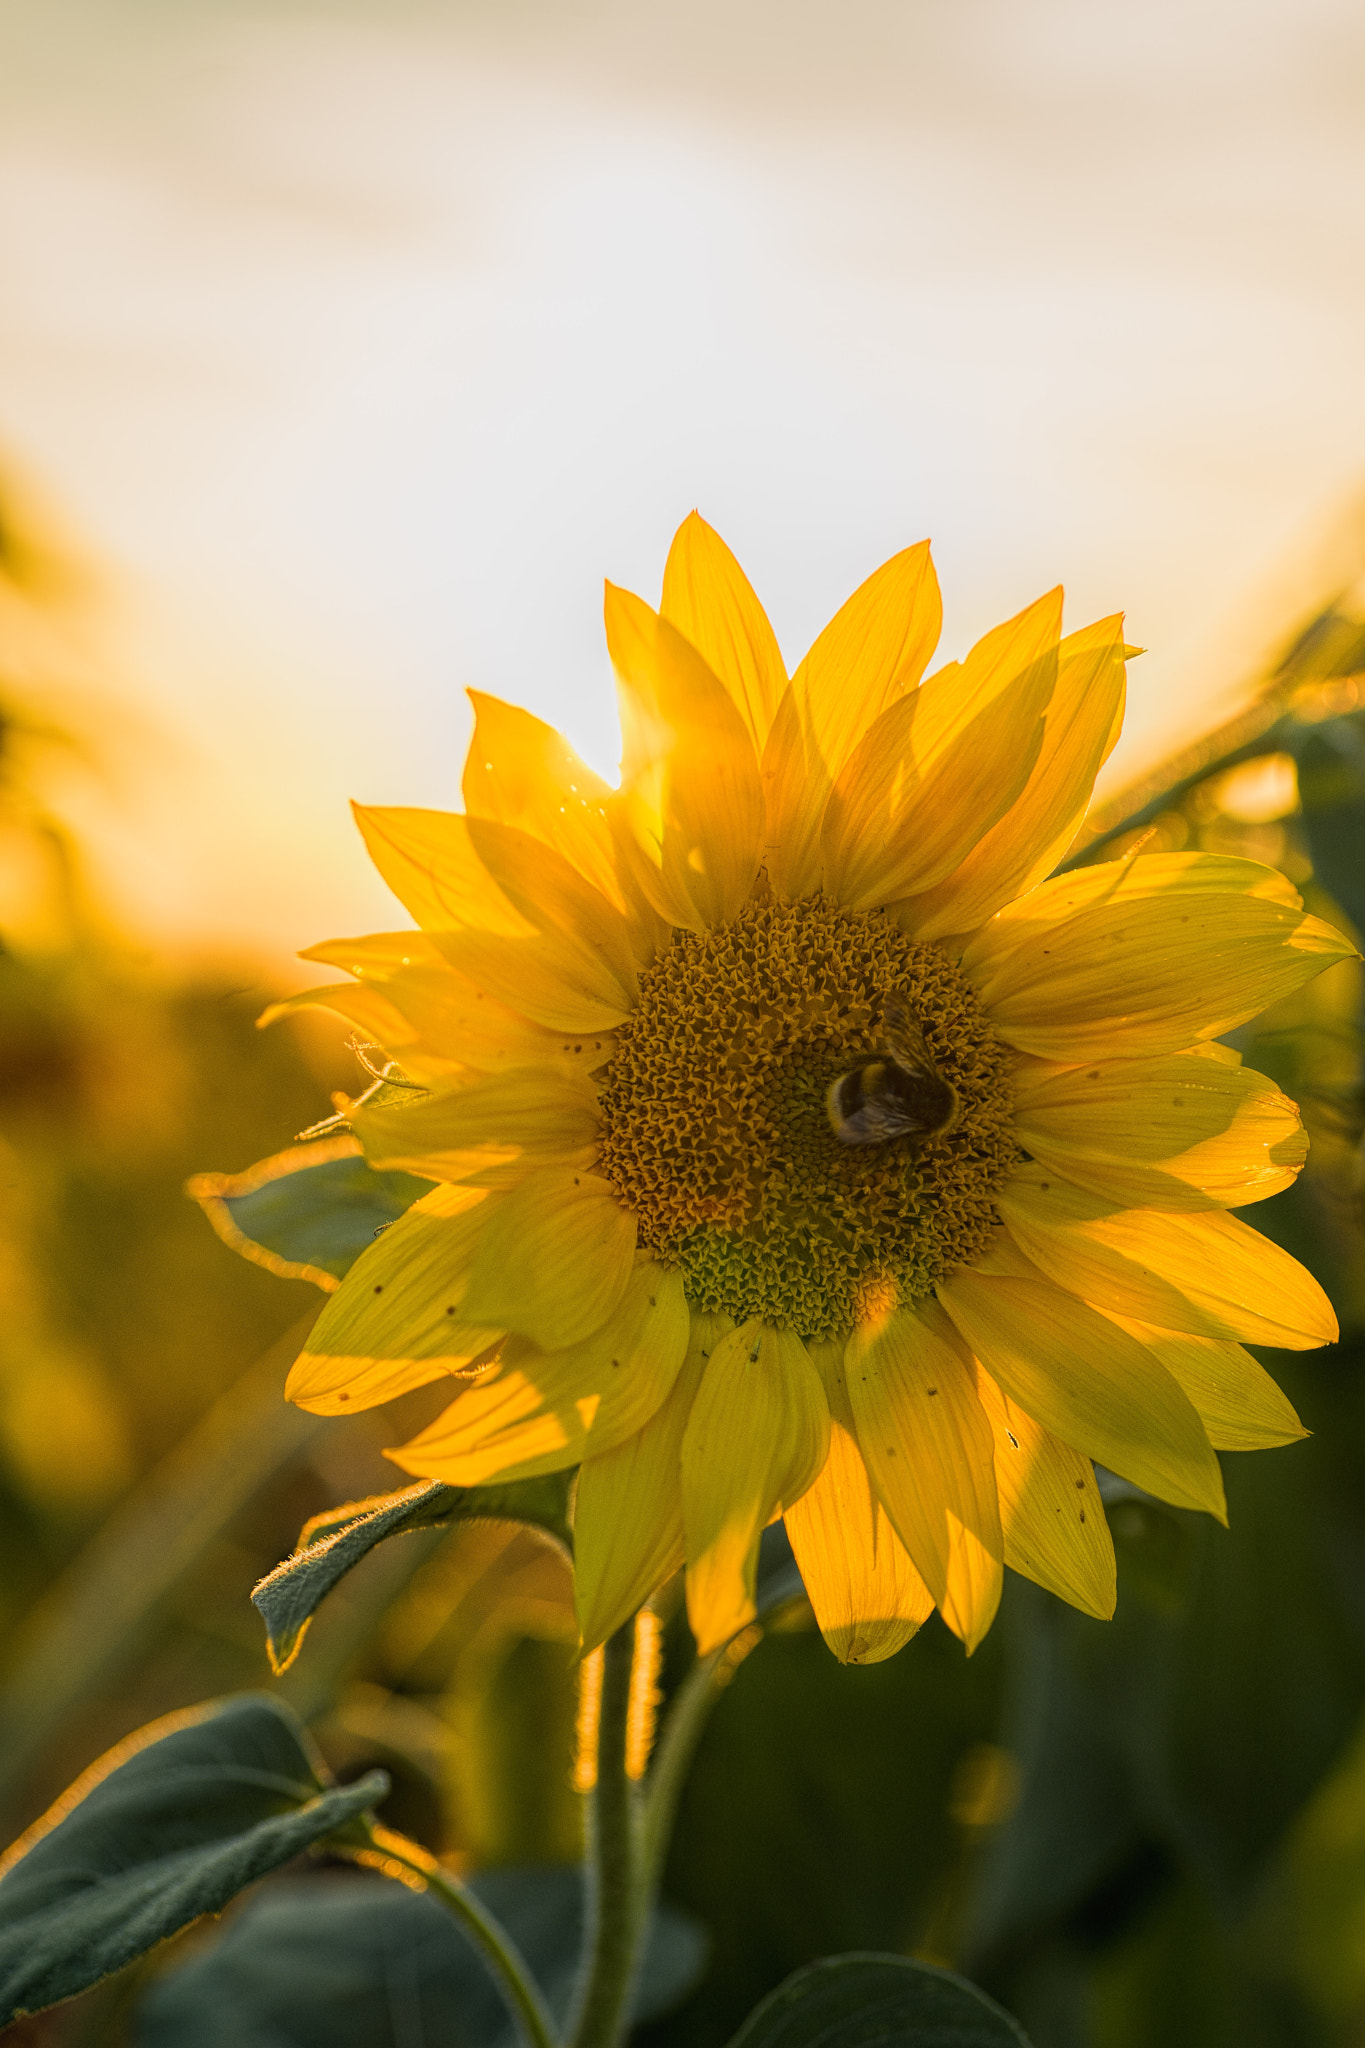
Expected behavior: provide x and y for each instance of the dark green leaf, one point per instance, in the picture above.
(356, 1962)
(870, 2001)
(332, 1543)
(307, 1214)
(170, 1825)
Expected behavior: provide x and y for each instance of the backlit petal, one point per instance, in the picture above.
(1050, 1508)
(873, 650)
(378, 1020)
(428, 861)
(926, 781)
(449, 1017)
(539, 1411)
(540, 1114)
(1238, 1403)
(867, 1596)
(1080, 726)
(710, 600)
(927, 1445)
(1088, 1382)
(557, 987)
(691, 799)
(1155, 952)
(402, 1305)
(571, 916)
(553, 1260)
(1173, 1133)
(756, 1439)
(521, 772)
(1208, 1275)
(628, 1512)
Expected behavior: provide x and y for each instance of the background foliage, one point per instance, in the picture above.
(1140, 1833)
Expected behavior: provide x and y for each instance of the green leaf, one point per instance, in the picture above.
(332, 1543)
(168, 1826)
(307, 1214)
(869, 2001)
(341, 1961)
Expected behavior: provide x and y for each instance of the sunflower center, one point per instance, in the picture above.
(716, 1131)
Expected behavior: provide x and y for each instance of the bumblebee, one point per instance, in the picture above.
(897, 1093)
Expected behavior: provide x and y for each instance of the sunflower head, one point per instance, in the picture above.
(796, 1147)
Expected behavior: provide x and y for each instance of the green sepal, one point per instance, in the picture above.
(309, 1213)
(167, 1827)
(333, 1542)
(871, 2001)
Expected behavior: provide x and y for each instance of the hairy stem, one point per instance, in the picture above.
(618, 1910)
(488, 1935)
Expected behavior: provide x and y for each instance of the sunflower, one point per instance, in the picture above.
(797, 1147)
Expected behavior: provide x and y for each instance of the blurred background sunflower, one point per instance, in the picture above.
(342, 349)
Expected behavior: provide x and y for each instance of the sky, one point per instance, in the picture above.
(357, 343)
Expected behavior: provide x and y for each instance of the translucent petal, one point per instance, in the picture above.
(1208, 1275)
(1238, 1403)
(873, 650)
(541, 1114)
(1151, 953)
(521, 772)
(628, 1512)
(401, 1302)
(867, 1596)
(1050, 1509)
(428, 861)
(1173, 1133)
(926, 780)
(756, 1439)
(539, 1411)
(927, 1445)
(553, 1260)
(691, 799)
(1088, 1382)
(710, 600)
(1080, 726)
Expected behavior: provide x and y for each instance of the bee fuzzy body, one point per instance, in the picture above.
(896, 1093)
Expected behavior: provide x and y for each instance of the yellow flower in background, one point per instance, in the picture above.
(799, 1149)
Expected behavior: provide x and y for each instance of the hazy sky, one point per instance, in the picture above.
(362, 341)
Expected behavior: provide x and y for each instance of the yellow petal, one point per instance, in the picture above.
(378, 1020)
(554, 1259)
(429, 863)
(521, 772)
(1088, 1382)
(539, 1411)
(541, 1114)
(450, 1018)
(1050, 1508)
(756, 1439)
(399, 1307)
(710, 600)
(876, 647)
(1157, 952)
(925, 782)
(867, 1596)
(1207, 1275)
(1238, 1403)
(573, 919)
(1080, 726)
(330, 1385)
(691, 796)
(1173, 1133)
(556, 986)
(1003, 653)
(927, 1445)
(873, 650)
(628, 1514)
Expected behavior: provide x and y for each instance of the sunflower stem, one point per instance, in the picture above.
(518, 1986)
(617, 1904)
